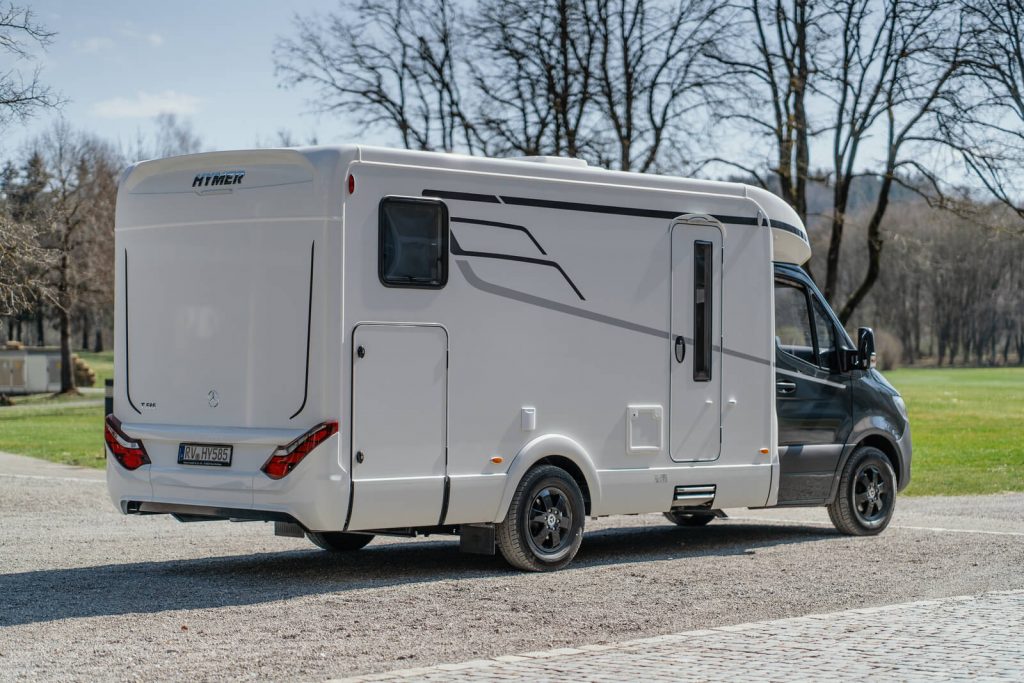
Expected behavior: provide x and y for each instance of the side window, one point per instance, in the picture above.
(793, 322)
(825, 335)
(703, 276)
(413, 242)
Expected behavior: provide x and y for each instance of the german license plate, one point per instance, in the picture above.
(204, 454)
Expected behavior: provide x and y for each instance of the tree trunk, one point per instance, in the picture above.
(67, 367)
(40, 329)
(98, 345)
(85, 332)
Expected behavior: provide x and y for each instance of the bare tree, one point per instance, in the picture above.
(391, 64)
(653, 78)
(871, 82)
(21, 93)
(22, 265)
(78, 225)
(990, 139)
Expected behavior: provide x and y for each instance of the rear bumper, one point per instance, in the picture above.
(314, 495)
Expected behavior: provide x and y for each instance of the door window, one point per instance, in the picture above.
(793, 322)
(803, 329)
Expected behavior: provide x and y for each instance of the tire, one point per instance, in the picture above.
(543, 529)
(866, 499)
(691, 519)
(337, 541)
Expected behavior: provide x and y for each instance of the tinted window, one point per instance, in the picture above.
(702, 311)
(793, 322)
(413, 242)
(825, 334)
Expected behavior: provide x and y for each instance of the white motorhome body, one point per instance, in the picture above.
(454, 321)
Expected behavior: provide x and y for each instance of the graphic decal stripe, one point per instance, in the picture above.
(457, 250)
(604, 208)
(127, 363)
(463, 196)
(476, 281)
(506, 226)
(309, 327)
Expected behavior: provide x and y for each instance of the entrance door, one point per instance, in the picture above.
(696, 345)
(399, 425)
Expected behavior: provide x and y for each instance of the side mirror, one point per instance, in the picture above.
(865, 348)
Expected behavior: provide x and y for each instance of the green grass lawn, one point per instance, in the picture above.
(71, 435)
(968, 428)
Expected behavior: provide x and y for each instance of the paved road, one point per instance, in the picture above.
(962, 638)
(87, 594)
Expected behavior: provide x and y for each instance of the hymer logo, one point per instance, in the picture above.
(217, 178)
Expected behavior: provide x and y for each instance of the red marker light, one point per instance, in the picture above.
(351, 184)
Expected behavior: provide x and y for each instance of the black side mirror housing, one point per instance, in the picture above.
(865, 348)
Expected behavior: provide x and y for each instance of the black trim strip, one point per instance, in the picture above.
(605, 208)
(127, 376)
(507, 226)
(457, 250)
(309, 327)
(446, 495)
(463, 196)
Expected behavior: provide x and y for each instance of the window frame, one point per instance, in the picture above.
(445, 241)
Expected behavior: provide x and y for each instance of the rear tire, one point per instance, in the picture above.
(866, 499)
(691, 519)
(337, 541)
(543, 529)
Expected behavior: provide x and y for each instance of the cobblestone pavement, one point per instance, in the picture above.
(974, 637)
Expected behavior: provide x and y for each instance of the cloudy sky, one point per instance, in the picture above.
(121, 63)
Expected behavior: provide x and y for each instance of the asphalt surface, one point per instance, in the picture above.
(87, 594)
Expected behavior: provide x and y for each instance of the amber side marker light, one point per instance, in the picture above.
(497, 460)
(765, 451)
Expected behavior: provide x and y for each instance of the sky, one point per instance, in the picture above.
(119, 64)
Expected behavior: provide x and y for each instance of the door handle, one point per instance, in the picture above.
(784, 387)
(680, 349)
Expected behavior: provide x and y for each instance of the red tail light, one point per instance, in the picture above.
(128, 451)
(285, 458)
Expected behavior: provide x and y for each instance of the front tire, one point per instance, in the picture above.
(543, 529)
(337, 541)
(866, 499)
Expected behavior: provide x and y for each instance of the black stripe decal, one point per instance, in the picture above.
(309, 327)
(506, 226)
(605, 209)
(457, 250)
(127, 363)
(463, 196)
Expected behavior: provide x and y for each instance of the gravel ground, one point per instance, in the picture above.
(88, 594)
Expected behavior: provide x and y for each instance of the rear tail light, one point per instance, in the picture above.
(285, 458)
(128, 451)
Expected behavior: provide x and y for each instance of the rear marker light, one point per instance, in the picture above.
(285, 458)
(351, 184)
(129, 452)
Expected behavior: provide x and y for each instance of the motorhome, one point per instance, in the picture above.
(352, 341)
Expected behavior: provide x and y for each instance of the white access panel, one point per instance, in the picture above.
(399, 425)
(696, 404)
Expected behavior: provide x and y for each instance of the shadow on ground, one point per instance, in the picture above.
(150, 587)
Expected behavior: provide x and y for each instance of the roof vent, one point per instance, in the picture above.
(557, 161)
